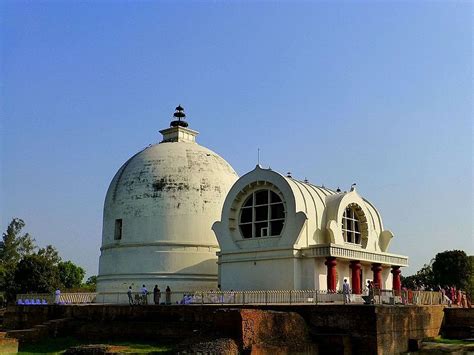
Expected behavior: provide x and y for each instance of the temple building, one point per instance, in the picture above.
(276, 232)
(158, 214)
(167, 204)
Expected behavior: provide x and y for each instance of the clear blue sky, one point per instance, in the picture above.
(378, 93)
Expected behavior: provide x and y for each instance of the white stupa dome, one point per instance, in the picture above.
(158, 214)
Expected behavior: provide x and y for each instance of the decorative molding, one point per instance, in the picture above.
(159, 244)
(343, 252)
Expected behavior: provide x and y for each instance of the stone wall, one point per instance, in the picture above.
(397, 325)
(458, 323)
(355, 329)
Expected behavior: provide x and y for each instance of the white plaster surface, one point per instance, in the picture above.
(312, 232)
(168, 196)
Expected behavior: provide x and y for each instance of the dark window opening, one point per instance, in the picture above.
(246, 230)
(246, 215)
(261, 197)
(262, 215)
(351, 226)
(118, 229)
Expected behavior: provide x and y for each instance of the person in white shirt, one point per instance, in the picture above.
(144, 295)
(346, 292)
(57, 296)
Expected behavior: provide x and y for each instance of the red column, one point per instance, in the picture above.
(355, 266)
(397, 284)
(377, 269)
(331, 264)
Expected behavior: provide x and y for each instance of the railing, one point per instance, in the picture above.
(356, 254)
(269, 297)
(226, 297)
(50, 298)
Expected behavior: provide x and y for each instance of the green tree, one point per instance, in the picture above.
(51, 254)
(70, 275)
(34, 274)
(452, 267)
(423, 277)
(471, 280)
(91, 283)
(15, 245)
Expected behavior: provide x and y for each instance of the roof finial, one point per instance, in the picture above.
(179, 115)
(353, 187)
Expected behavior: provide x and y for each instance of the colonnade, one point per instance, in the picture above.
(355, 266)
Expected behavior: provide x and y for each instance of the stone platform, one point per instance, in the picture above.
(356, 329)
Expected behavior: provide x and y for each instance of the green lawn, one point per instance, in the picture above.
(450, 341)
(59, 345)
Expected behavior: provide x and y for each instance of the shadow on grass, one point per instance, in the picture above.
(60, 345)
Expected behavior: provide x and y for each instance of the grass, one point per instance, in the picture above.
(60, 345)
(450, 341)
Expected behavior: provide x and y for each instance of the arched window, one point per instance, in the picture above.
(262, 215)
(351, 226)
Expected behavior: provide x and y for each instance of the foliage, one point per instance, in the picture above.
(15, 245)
(13, 248)
(61, 344)
(91, 283)
(70, 275)
(35, 273)
(449, 268)
(51, 254)
(24, 271)
(92, 280)
(423, 278)
(452, 267)
(471, 280)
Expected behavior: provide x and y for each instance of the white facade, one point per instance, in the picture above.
(284, 240)
(158, 214)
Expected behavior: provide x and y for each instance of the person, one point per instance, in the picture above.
(346, 291)
(144, 293)
(404, 295)
(129, 294)
(459, 298)
(168, 295)
(57, 296)
(370, 286)
(156, 295)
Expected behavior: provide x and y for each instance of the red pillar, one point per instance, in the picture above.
(377, 269)
(397, 284)
(355, 266)
(331, 264)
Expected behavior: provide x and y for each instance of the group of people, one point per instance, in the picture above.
(142, 296)
(452, 296)
(369, 292)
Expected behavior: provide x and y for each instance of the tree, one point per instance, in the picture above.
(452, 267)
(15, 246)
(36, 274)
(51, 254)
(70, 275)
(423, 277)
(91, 283)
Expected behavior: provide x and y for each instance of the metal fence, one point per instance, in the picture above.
(269, 297)
(225, 297)
(50, 298)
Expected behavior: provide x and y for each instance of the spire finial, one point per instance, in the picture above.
(179, 116)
